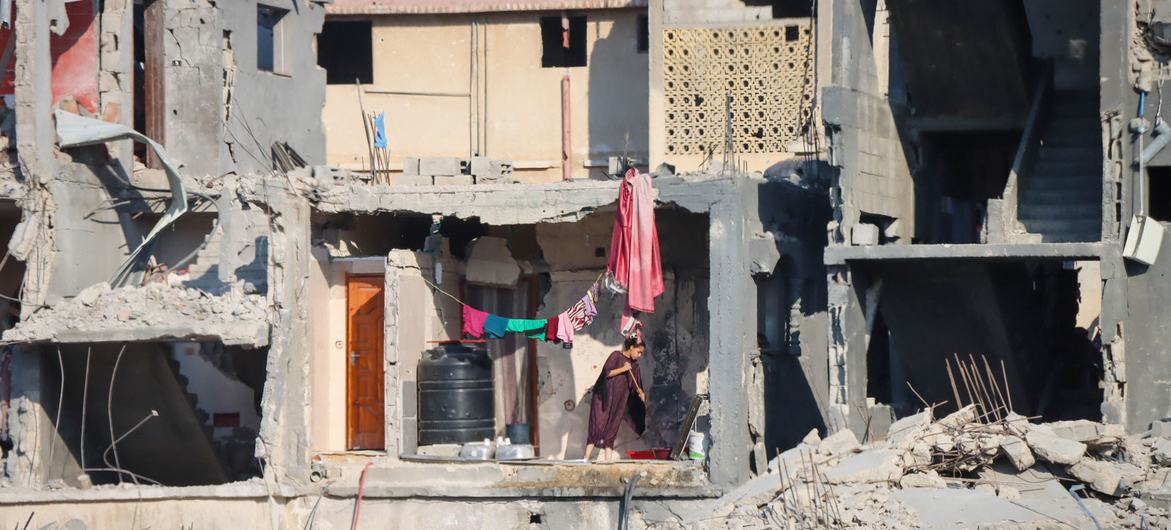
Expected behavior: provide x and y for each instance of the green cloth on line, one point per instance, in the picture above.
(533, 329)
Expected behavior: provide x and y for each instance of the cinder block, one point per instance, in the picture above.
(413, 180)
(410, 436)
(454, 180)
(411, 166)
(410, 399)
(480, 166)
(864, 234)
(439, 166)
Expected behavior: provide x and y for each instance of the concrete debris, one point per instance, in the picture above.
(1110, 478)
(839, 443)
(1017, 452)
(153, 312)
(1052, 448)
(962, 471)
(1161, 452)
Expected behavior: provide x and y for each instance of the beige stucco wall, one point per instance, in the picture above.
(520, 117)
(327, 335)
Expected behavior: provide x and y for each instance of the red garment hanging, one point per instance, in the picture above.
(634, 247)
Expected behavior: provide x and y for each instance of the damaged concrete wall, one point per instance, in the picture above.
(1148, 374)
(240, 111)
(865, 142)
(675, 366)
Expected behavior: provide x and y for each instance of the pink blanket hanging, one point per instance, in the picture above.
(634, 246)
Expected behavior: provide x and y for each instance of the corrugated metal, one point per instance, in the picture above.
(418, 7)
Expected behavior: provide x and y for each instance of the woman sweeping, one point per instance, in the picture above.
(619, 378)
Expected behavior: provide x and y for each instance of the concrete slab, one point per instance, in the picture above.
(839, 255)
(969, 508)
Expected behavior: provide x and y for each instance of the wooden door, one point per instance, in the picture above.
(365, 425)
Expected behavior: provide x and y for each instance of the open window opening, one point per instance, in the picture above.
(270, 39)
(1159, 192)
(152, 413)
(345, 50)
(540, 390)
(1032, 324)
(563, 41)
(642, 44)
(791, 8)
(11, 279)
(962, 172)
(187, 256)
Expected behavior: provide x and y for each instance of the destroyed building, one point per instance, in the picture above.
(236, 229)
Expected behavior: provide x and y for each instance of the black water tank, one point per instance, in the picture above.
(456, 399)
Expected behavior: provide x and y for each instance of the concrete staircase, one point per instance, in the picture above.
(1061, 196)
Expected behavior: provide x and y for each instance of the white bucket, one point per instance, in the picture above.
(695, 443)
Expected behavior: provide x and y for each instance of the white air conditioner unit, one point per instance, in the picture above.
(1143, 240)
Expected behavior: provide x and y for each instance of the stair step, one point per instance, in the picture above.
(1074, 103)
(1073, 131)
(1066, 166)
(1064, 212)
(1046, 196)
(1090, 153)
(1078, 225)
(1060, 182)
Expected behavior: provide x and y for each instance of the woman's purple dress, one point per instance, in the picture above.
(608, 404)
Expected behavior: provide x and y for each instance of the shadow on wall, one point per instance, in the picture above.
(793, 312)
(618, 92)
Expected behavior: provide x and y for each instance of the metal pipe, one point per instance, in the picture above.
(1162, 137)
(382, 92)
(566, 155)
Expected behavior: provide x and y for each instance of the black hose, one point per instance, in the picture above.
(624, 505)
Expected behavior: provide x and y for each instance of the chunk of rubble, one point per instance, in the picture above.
(959, 418)
(905, 431)
(882, 464)
(1091, 433)
(838, 443)
(1017, 452)
(1111, 478)
(1052, 448)
(930, 479)
(1161, 451)
(152, 312)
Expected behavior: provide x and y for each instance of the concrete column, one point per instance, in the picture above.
(28, 423)
(283, 441)
(732, 306)
(401, 432)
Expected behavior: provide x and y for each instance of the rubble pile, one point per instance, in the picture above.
(965, 470)
(155, 311)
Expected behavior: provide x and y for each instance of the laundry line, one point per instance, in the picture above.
(457, 300)
(477, 323)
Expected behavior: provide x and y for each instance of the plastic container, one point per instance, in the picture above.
(477, 451)
(695, 446)
(658, 453)
(517, 432)
(515, 452)
(456, 396)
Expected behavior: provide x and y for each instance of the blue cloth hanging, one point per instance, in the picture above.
(380, 130)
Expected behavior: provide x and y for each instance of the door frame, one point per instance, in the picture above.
(349, 404)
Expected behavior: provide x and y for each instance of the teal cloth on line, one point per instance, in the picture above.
(533, 329)
(495, 326)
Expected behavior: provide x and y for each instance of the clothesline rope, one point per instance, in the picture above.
(461, 302)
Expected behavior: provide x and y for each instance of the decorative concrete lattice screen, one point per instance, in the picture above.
(764, 68)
